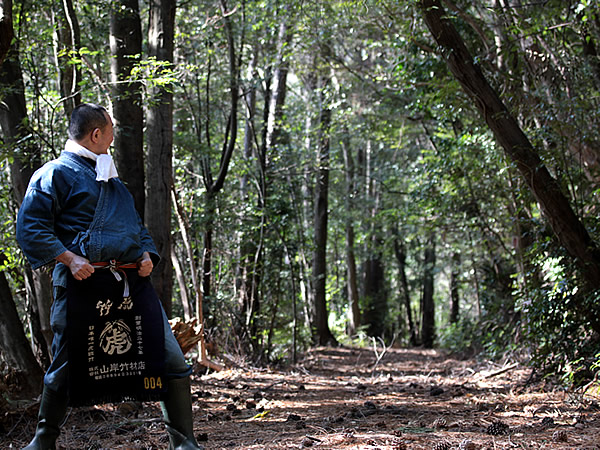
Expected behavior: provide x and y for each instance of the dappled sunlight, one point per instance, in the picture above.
(344, 398)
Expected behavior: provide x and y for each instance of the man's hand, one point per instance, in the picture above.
(78, 265)
(145, 265)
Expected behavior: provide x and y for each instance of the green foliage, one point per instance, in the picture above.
(560, 335)
(154, 73)
(462, 336)
(424, 160)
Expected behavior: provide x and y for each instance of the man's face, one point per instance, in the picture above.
(105, 137)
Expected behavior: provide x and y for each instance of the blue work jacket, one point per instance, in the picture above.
(65, 208)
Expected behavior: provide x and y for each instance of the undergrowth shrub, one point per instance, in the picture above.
(556, 326)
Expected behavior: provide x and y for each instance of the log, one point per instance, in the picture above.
(188, 334)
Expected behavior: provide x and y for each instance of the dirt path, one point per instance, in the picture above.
(345, 399)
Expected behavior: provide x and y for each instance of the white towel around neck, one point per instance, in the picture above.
(105, 166)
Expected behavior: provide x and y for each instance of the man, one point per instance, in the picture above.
(78, 213)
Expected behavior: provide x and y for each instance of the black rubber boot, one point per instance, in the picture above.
(53, 408)
(177, 410)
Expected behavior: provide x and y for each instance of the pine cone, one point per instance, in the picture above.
(440, 422)
(467, 444)
(497, 428)
(442, 445)
(559, 436)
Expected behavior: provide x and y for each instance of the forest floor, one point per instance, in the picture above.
(341, 398)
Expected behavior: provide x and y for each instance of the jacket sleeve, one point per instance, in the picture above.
(35, 228)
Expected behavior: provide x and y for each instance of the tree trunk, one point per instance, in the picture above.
(207, 305)
(38, 285)
(14, 123)
(161, 30)
(454, 287)
(181, 279)
(353, 307)
(26, 159)
(294, 295)
(15, 347)
(6, 28)
(567, 227)
(251, 250)
(253, 245)
(400, 253)
(214, 186)
(374, 292)
(250, 268)
(428, 309)
(305, 210)
(375, 298)
(276, 294)
(125, 47)
(68, 44)
(279, 88)
(184, 226)
(321, 333)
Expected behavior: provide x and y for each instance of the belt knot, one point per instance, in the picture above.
(116, 267)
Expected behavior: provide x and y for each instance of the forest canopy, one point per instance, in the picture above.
(328, 172)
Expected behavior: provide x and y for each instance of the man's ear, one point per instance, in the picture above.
(95, 135)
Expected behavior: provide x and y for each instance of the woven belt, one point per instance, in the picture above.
(116, 268)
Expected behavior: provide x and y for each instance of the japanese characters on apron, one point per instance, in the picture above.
(115, 332)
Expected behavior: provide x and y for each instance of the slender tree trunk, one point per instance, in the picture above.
(454, 288)
(126, 47)
(68, 44)
(254, 245)
(279, 88)
(400, 253)
(475, 270)
(213, 187)
(251, 244)
(184, 226)
(15, 347)
(321, 332)
(304, 290)
(252, 268)
(374, 292)
(305, 210)
(25, 160)
(567, 227)
(210, 211)
(354, 316)
(274, 308)
(428, 309)
(188, 306)
(14, 123)
(375, 297)
(6, 28)
(181, 279)
(161, 31)
(294, 276)
(38, 285)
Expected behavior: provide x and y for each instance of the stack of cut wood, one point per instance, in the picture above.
(188, 334)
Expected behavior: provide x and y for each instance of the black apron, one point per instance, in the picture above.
(115, 337)
(115, 344)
